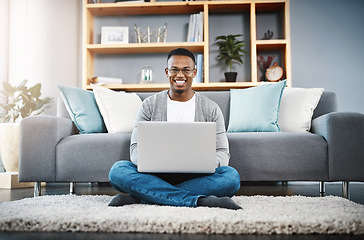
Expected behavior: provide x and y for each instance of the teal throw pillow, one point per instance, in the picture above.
(83, 110)
(255, 109)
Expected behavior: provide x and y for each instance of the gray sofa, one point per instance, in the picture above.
(53, 151)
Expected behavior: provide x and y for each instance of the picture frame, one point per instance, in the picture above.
(114, 35)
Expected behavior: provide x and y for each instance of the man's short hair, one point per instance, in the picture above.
(181, 52)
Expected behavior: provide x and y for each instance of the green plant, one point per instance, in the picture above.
(230, 49)
(22, 101)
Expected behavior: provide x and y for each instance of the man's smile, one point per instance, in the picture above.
(180, 83)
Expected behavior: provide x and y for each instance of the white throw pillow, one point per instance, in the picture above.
(296, 110)
(119, 109)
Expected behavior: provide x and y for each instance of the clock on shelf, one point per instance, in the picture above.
(274, 73)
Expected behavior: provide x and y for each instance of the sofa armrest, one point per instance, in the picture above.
(39, 136)
(344, 133)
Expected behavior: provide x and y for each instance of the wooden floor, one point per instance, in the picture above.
(248, 189)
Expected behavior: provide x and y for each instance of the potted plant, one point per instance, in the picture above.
(230, 51)
(21, 102)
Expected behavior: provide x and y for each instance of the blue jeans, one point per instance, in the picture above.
(173, 189)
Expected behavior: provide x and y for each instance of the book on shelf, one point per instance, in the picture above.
(199, 67)
(195, 28)
(106, 80)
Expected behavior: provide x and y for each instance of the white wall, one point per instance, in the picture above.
(4, 53)
(45, 44)
(4, 44)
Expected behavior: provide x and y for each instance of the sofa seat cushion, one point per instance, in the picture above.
(88, 158)
(279, 156)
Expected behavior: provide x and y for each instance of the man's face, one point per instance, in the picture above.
(180, 72)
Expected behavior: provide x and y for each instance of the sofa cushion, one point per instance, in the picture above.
(256, 109)
(89, 157)
(279, 156)
(119, 109)
(82, 108)
(296, 110)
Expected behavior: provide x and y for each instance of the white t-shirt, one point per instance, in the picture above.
(181, 111)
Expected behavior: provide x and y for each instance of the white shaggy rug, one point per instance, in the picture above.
(260, 215)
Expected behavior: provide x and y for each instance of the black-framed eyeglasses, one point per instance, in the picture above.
(185, 71)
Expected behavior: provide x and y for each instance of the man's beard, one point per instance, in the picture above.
(179, 91)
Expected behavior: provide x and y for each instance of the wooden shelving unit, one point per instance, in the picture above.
(253, 7)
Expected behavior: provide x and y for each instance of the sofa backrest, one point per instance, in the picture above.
(61, 109)
(327, 103)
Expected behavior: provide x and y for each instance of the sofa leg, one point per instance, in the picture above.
(37, 189)
(322, 189)
(72, 188)
(346, 190)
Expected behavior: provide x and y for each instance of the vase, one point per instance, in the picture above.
(146, 75)
(9, 145)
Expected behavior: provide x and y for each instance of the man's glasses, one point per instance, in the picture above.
(175, 71)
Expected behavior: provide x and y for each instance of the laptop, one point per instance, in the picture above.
(175, 147)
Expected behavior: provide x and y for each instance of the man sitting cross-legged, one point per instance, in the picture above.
(178, 104)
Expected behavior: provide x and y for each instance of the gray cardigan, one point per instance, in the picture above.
(154, 108)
